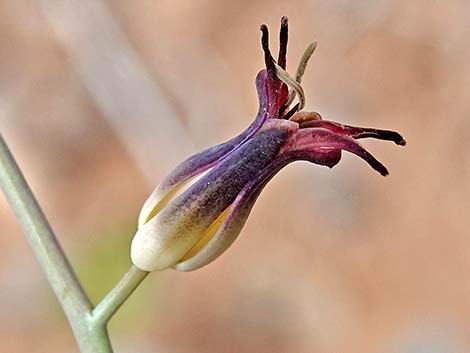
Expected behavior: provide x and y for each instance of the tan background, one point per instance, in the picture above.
(99, 99)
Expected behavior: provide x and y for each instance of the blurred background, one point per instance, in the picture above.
(100, 99)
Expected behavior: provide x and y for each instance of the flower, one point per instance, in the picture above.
(199, 209)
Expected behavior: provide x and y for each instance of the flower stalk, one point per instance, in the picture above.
(88, 325)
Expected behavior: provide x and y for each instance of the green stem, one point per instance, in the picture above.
(88, 325)
(50, 255)
(92, 338)
(118, 295)
(91, 335)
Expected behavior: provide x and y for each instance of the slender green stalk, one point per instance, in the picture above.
(88, 325)
(118, 295)
(50, 255)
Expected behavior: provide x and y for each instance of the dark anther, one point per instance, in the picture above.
(291, 112)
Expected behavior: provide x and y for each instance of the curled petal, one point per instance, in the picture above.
(355, 132)
(272, 93)
(320, 143)
(283, 37)
(327, 158)
(268, 58)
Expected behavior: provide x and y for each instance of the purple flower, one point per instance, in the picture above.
(199, 209)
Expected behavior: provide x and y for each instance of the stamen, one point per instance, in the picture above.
(301, 68)
(304, 117)
(293, 84)
(283, 36)
(304, 61)
(291, 112)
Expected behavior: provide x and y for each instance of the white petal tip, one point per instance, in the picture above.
(146, 254)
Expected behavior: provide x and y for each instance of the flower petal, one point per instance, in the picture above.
(223, 232)
(166, 238)
(272, 92)
(193, 166)
(272, 95)
(355, 132)
(319, 142)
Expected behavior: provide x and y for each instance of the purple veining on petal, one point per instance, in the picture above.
(319, 141)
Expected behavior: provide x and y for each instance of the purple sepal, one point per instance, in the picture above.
(236, 218)
(272, 94)
(202, 161)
